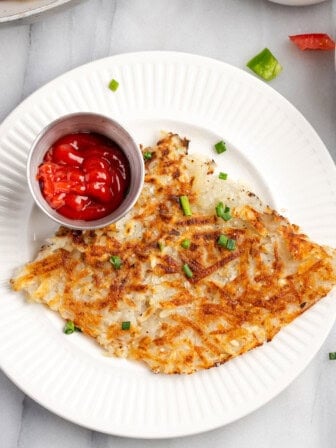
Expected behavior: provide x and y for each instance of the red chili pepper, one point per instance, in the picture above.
(315, 41)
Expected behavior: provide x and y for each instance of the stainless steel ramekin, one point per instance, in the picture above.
(86, 122)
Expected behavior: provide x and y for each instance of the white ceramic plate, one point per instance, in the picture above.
(297, 2)
(271, 147)
(12, 10)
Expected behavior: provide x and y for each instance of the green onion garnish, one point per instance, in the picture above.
(116, 261)
(70, 327)
(231, 244)
(222, 176)
(220, 147)
(220, 209)
(332, 355)
(226, 242)
(147, 155)
(187, 271)
(126, 325)
(222, 240)
(223, 212)
(160, 246)
(113, 85)
(186, 244)
(227, 216)
(184, 201)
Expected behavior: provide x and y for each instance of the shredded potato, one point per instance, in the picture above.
(234, 300)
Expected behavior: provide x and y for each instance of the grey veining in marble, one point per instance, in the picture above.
(304, 415)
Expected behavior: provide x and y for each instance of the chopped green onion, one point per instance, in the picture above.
(70, 327)
(113, 85)
(184, 201)
(160, 246)
(222, 240)
(220, 147)
(147, 155)
(186, 244)
(223, 212)
(227, 216)
(222, 176)
(187, 271)
(220, 209)
(226, 242)
(265, 64)
(231, 244)
(126, 325)
(116, 261)
(332, 355)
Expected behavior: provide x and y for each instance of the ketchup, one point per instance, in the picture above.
(84, 176)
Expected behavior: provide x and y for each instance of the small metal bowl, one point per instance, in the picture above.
(86, 122)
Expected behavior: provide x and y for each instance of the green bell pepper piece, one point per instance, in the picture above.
(265, 64)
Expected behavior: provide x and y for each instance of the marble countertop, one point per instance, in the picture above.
(303, 416)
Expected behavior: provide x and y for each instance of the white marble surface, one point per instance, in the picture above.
(304, 415)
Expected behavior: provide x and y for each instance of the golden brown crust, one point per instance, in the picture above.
(235, 301)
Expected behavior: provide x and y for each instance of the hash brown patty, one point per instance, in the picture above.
(236, 299)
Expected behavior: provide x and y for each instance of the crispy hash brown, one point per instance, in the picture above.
(236, 299)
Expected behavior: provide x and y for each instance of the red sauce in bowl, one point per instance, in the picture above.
(84, 176)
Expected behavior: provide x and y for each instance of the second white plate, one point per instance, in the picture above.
(12, 10)
(297, 2)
